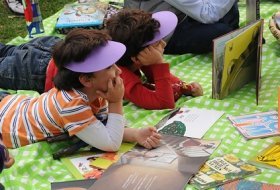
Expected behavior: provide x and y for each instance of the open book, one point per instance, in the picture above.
(237, 60)
(91, 164)
(189, 122)
(169, 166)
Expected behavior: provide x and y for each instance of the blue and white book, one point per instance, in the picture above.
(82, 15)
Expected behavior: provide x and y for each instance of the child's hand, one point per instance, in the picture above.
(148, 137)
(196, 89)
(152, 54)
(191, 89)
(9, 162)
(115, 90)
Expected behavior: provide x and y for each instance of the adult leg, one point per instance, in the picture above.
(24, 67)
(191, 36)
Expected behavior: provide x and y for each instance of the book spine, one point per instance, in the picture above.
(252, 10)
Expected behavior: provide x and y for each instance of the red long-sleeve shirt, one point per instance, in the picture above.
(162, 97)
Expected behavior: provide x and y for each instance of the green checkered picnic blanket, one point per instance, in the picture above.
(36, 169)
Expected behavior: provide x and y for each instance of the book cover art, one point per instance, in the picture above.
(77, 184)
(169, 166)
(269, 157)
(82, 15)
(190, 122)
(91, 165)
(247, 185)
(236, 60)
(221, 170)
(256, 125)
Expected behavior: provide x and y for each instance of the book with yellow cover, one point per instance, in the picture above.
(269, 157)
(237, 60)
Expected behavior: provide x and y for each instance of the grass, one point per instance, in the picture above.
(12, 25)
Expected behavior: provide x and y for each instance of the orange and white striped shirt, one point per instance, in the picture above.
(25, 120)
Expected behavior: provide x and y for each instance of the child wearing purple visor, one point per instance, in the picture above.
(143, 34)
(86, 101)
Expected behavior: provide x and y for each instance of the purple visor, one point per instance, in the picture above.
(168, 21)
(100, 58)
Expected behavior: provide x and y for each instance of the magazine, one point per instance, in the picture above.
(269, 157)
(257, 125)
(221, 170)
(90, 165)
(189, 122)
(237, 60)
(169, 166)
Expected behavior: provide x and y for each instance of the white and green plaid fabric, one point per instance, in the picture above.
(35, 168)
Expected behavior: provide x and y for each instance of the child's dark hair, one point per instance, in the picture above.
(133, 28)
(76, 46)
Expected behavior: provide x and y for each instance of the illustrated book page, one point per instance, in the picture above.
(190, 122)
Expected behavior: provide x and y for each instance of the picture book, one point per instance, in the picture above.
(269, 157)
(221, 170)
(77, 184)
(90, 165)
(237, 60)
(82, 15)
(170, 166)
(258, 125)
(189, 122)
(245, 184)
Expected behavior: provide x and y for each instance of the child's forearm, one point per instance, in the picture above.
(130, 135)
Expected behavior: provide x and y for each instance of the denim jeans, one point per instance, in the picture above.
(191, 36)
(24, 67)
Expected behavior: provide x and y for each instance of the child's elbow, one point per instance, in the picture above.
(112, 147)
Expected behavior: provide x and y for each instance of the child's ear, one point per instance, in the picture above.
(85, 80)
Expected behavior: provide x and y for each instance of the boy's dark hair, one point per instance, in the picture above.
(76, 46)
(133, 28)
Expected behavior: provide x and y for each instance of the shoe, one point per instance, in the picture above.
(15, 6)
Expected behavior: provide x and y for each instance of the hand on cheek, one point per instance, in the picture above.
(115, 90)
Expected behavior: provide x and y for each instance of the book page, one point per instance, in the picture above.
(191, 122)
(169, 166)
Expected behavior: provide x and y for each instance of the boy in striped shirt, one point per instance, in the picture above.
(88, 90)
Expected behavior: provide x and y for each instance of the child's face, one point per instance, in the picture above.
(102, 77)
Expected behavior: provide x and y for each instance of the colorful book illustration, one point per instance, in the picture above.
(91, 165)
(247, 185)
(189, 122)
(221, 170)
(269, 157)
(82, 15)
(237, 60)
(169, 166)
(77, 184)
(257, 125)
